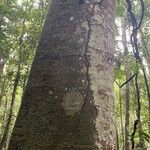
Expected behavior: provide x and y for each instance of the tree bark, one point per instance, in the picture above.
(68, 101)
(127, 95)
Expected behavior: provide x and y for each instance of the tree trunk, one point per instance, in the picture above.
(128, 75)
(16, 82)
(121, 118)
(145, 50)
(7, 127)
(10, 115)
(1, 64)
(68, 101)
(1, 57)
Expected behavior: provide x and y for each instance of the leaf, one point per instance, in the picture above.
(120, 9)
(146, 136)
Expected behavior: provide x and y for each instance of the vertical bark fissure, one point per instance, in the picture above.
(86, 57)
(86, 61)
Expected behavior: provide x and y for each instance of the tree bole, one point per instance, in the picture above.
(68, 100)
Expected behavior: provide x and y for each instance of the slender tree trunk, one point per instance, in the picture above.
(25, 79)
(141, 139)
(127, 96)
(145, 49)
(1, 65)
(1, 58)
(68, 101)
(41, 7)
(2, 90)
(121, 118)
(117, 137)
(16, 82)
(3, 118)
(7, 126)
(147, 58)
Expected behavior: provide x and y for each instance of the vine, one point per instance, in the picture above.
(134, 42)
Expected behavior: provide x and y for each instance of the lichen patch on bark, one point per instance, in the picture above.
(72, 102)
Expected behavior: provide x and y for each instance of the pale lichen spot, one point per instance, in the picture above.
(83, 81)
(81, 40)
(91, 6)
(87, 2)
(50, 92)
(80, 58)
(85, 25)
(71, 18)
(97, 1)
(56, 96)
(72, 102)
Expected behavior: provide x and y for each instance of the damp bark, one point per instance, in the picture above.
(68, 100)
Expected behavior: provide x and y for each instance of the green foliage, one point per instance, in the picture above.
(120, 8)
(133, 67)
(17, 22)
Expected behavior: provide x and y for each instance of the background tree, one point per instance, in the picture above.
(137, 131)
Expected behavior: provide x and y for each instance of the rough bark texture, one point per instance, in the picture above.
(68, 100)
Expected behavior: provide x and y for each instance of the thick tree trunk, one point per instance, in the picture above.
(68, 100)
